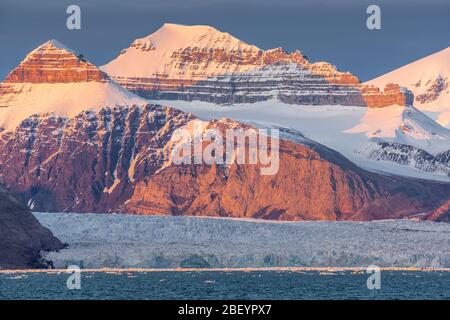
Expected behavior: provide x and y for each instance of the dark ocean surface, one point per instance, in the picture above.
(255, 285)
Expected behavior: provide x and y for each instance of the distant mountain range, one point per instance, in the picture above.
(76, 139)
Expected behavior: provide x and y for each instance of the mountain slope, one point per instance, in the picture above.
(118, 160)
(53, 78)
(429, 80)
(393, 140)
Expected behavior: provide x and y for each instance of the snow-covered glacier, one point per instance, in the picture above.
(128, 241)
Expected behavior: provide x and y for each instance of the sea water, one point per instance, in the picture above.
(255, 285)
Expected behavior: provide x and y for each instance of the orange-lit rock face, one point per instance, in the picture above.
(193, 64)
(279, 54)
(288, 77)
(52, 63)
(117, 160)
(391, 95)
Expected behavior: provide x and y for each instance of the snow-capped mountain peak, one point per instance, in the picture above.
(55, 79)
(54, 45)
(429, 79)
(175, 36)
(166, 51)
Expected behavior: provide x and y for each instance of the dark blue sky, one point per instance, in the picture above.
(334, 31)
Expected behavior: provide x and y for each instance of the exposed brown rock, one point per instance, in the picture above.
(280, 55)
(391, 95)
(201, 63)
(433, 91)
(52, 63)
(71, 164)
(311, 184)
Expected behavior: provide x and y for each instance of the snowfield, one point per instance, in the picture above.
(61, 99)
(126, 241)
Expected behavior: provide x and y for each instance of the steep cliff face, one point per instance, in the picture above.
(119, 160)
(89, 162)
(391, 95)
(308, 186)
(22, 238)
(202, 63)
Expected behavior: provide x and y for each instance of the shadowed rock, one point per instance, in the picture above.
(22, 237)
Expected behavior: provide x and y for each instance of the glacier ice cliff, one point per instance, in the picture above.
(97, 241)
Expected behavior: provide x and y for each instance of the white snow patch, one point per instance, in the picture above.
(61, 99)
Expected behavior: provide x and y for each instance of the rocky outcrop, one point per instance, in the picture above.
(118, 160)
(285, 77)
(407, 155)
(428, 79)
(288, 82)
(22, 238)
(434, 90)
(391, 95)
(176, 52)
(304, 189)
